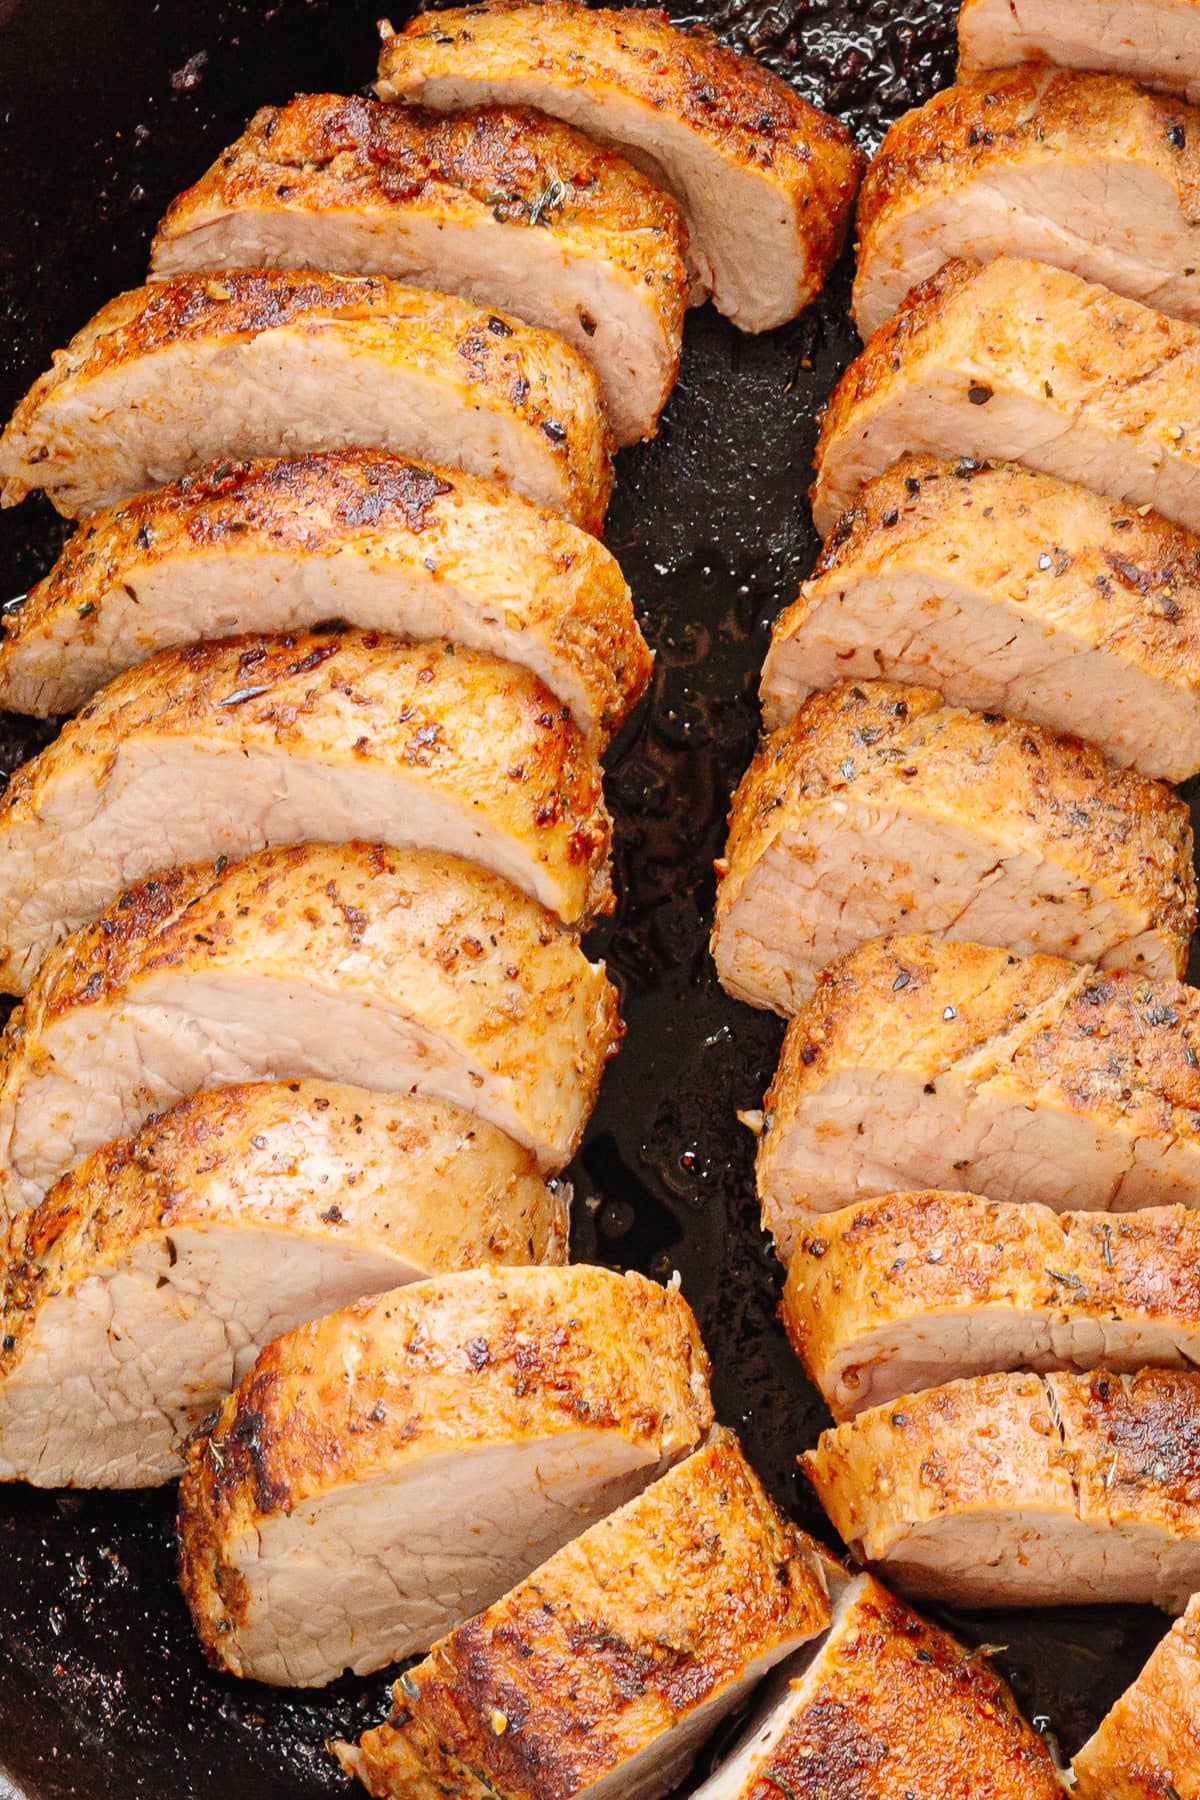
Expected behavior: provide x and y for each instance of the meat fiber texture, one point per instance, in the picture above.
(1155, 41)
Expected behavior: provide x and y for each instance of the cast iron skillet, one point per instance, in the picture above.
(105, 112)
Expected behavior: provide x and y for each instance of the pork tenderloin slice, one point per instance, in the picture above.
(385, 1472)
(765, 180)
(910, 1290)
(1148, 1746)
(399, 971)
(280, 363)
(1088, 172)
(880, 806)
(1157, 42)
(600, 1674)
(506, 207)
(1009, 592)
(892, 1704)
(925, 1063)
(1021, 362)
(142, 1288)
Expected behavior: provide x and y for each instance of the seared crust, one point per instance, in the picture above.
(609, 1646)
(1148, 1747)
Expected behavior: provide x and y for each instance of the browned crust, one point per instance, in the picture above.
(1148, 1746)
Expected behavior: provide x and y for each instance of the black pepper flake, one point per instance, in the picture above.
(979, 393)
(902, 980)
(1176, 135)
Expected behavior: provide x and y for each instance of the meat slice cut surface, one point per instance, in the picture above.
(1148, 1746)
(399, 971)
(880, 806)
(504, 206)
(385, 1472)
(1008, 591)
(1088, 172)
(924, 1063)
(600, 1675)
(139, 1292)
(1016, 361)
(259, 362)
(765, 180)
(1025, 1490)
(908, 1291)
(1155, 41)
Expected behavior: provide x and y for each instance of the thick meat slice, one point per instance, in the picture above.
(1025, 1490)
(397, 970)
(879, 805)
(508, 208)
(885, 1706)
(909, 1290)
(270, 363)
(600, 1675)
(140, 1291)
(1009, 592)
(387, 1471)
(765, 180)
(384, 544)
(1023, 362)
(923, 1063)
(219, 749)
(1088, 172)
(1148, 1747)
(1155, 41)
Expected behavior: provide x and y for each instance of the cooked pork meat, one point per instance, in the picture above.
(923, 1063)
(399, 971)
(1023, 362)
(1088, 172)
(910, 1290)
(765, 180)
(879, 805)
(507, 208)
(140, 1291)
(357, 535)
(384, 1473)
(219, 749)
(1148, 1747)
(882, 1707)
(267, 363)
(1009, 592)
(599, 1675)
(1157, 42)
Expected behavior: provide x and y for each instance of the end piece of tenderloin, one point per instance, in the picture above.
(908, 1291)
(396, 970)
(766, 181)
(879, 805)
(384, 1473)
(1025, 1490)
(1087, 172)
(1148, 1746)
(1157, 42)
(600, 1675)
(283, 545)
(282, 363)
(1008, 591)
(925, 1063)
(1015, 361)
(220, 749)
(891, 1705)
(142, 1288)
(506, 207)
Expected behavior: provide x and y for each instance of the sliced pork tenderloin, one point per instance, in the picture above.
(387, 1471)
(1157, 42)
(600, 1675)
(280, 363)
(1148, 1746)
(766, 181)
(395, 970)
(506, 207)
(880, 806)
(1009, 592)
(1017, 361)
(1025, 1490)
(142, 1288)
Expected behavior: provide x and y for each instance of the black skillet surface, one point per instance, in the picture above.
(105, 112)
